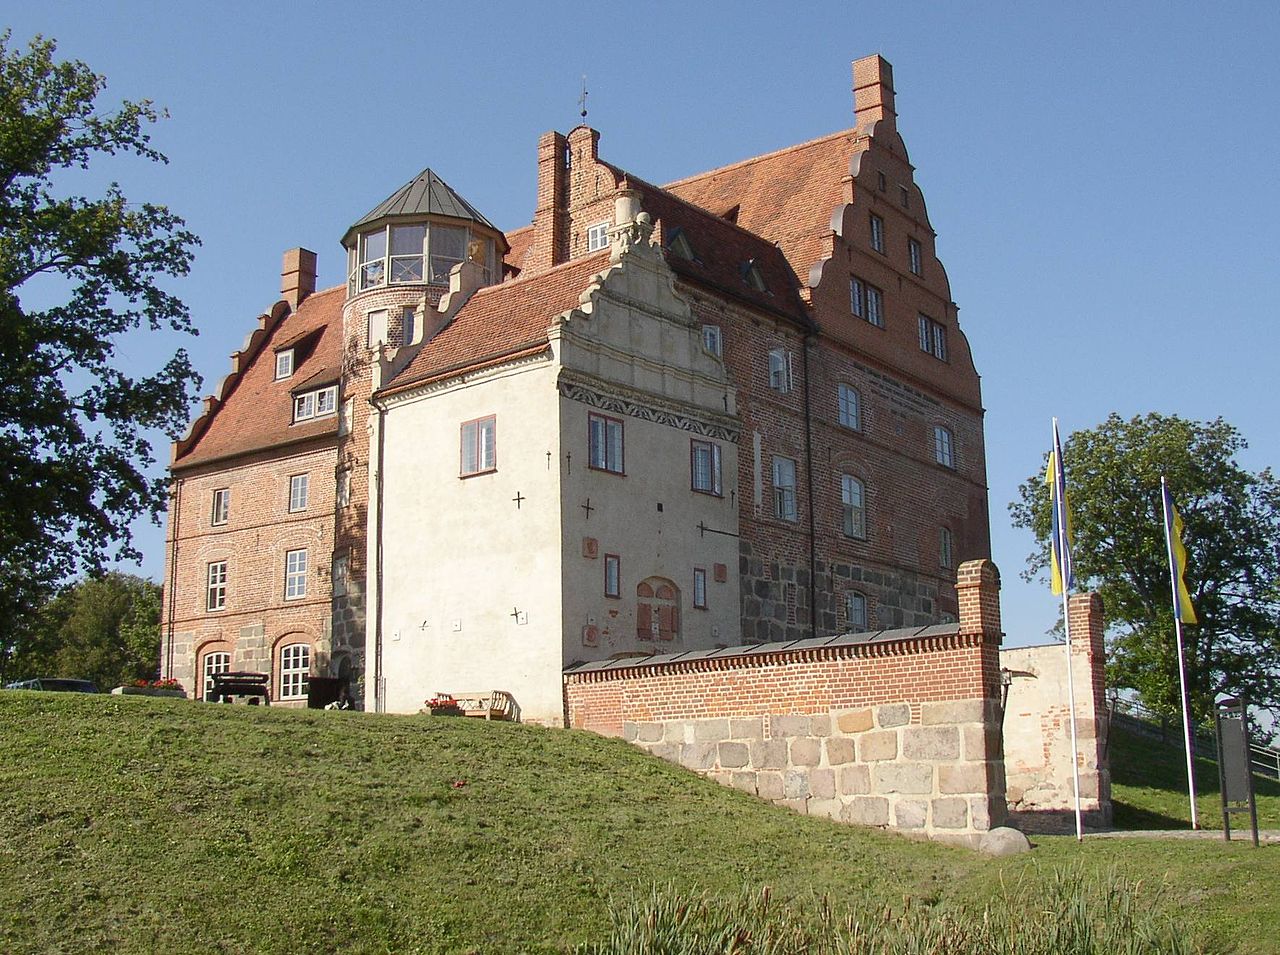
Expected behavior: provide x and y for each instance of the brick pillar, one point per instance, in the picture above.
(1089, 667)
(978, 590)
(551, 218)
(297, 276)
(873, 92)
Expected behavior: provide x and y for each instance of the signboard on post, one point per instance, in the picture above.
(1234, 773)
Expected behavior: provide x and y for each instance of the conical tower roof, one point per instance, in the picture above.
(424, 195)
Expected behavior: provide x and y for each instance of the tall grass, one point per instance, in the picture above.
(1073, 912)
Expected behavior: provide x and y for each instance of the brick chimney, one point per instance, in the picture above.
(873, 93)
(550, 244)
(297, 276)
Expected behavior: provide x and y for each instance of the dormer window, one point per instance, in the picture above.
(284, 363)
(678, 245)
(315, 404)
(752, 275)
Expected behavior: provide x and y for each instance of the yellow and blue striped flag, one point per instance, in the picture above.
(1062, 573)
(1173, 527)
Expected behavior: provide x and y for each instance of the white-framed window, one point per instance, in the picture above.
(604, 441)
(946, 553)
(712, 340)
(299, 491)
(340, 575)
(373, 259)
(780, 376)
(214, 663)
(849, 407)
(877, 233)
(216, 591)
(377, 331)
(284, 363)
(479, 446)
(943, 449)
(784, 489)
(344, 488)
(612, 575)
(399, 254)
(295, 574)
(700, 588)
(933, 337)
(448, 248)
(315, 404)
(295, 669)
(407, 243)
(705, 466)
(221, 506)
(914, 258)
(598, 236)
(855, 611)
(408, 316)
(853, 500)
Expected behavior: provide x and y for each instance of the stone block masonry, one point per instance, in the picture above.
(896, 729)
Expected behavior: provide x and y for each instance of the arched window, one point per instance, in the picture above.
(295, 668)
(854, 500)
(657, 609)
(218, 661)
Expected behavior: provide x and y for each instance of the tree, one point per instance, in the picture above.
(1232, 538)
(105, 629)
(77, 274)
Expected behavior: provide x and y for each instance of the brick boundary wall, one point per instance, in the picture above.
(898, 730)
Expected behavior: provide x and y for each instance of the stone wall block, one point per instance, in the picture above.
(769, 754)
(734, 755)
(910, 813)
(962, 778)
(709, 731)
(788, 726)
(679, 731)
(795, 784)
(875, 747)
(950, 812)
(806, 751)
(912, 778)
(630, 731)
(799, 804)
(855, 780)
(830, 808)
(839, 750)
(935, 743)
(822, 783)
(746, 729)
(820, 725)
(698, 755)
(893, 714)
(769, 785)
(854, 721)
(867, 811)
(744, 781)
(955, 711)
(648, 732)
(668, 751)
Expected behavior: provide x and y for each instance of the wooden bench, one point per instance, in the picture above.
(487, 704)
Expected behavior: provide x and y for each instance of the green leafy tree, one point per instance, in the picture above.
(1232, 537)
(77, 275)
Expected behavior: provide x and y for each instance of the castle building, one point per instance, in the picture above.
(733, 409)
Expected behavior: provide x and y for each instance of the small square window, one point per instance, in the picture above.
(914, 257)
(216, 594)
(604, 442)
(479, 446)
(877, 233)
(705, 466)
(784, 489)
(711, 339)
(598, 237)
(295, 574)
(299, 487)
(700, 588)
(284, 363)
(612, 575)
(221, 506)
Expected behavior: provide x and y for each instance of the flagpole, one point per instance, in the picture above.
(1060, 519)
(1182, 667)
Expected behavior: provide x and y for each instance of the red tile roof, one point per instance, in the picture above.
(519, 240)
(251, 410)
(502, 322)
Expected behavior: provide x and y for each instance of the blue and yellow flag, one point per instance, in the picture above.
(1062, 573)
(1173, 527)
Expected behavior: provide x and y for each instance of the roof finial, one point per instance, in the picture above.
(582, 98)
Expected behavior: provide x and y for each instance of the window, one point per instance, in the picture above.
(933, 338)
(752, 275)
(604, 438)
(377, 331)
(407, 318)
(295, 574)
(657, 609)
(866, 301)
(680, 246)
(315, 404)
(598, 237)
(904, 196)
(284, 363)
(373, 259)
(479, 449)
(407, 243)
(914, 258)
(853, 499)
(221, 506)
(399, 253)
(942, 447)
(850, 407)
(855, 611)
(295, 668)
(612, 575)
(214, 663)
(700, 588)
(945, 556)
(340, 576)
(344, 488)
(780, 378)
(705, 465)
(216, 596)
(711, 339)
(880, 181)
(448, 248)
(299, 485)
(784, 489)
(877, 233)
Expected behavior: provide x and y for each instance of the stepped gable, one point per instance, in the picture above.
(251, 410)
(502, 322)
(786, 196)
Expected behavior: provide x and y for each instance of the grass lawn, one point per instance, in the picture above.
(140, 825)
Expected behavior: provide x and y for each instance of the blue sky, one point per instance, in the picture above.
(1102, 177)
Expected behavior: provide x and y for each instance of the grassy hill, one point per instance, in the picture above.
(140, 825)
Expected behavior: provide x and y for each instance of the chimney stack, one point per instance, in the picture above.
(873, 93)
(551, 219)
(297, 276)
